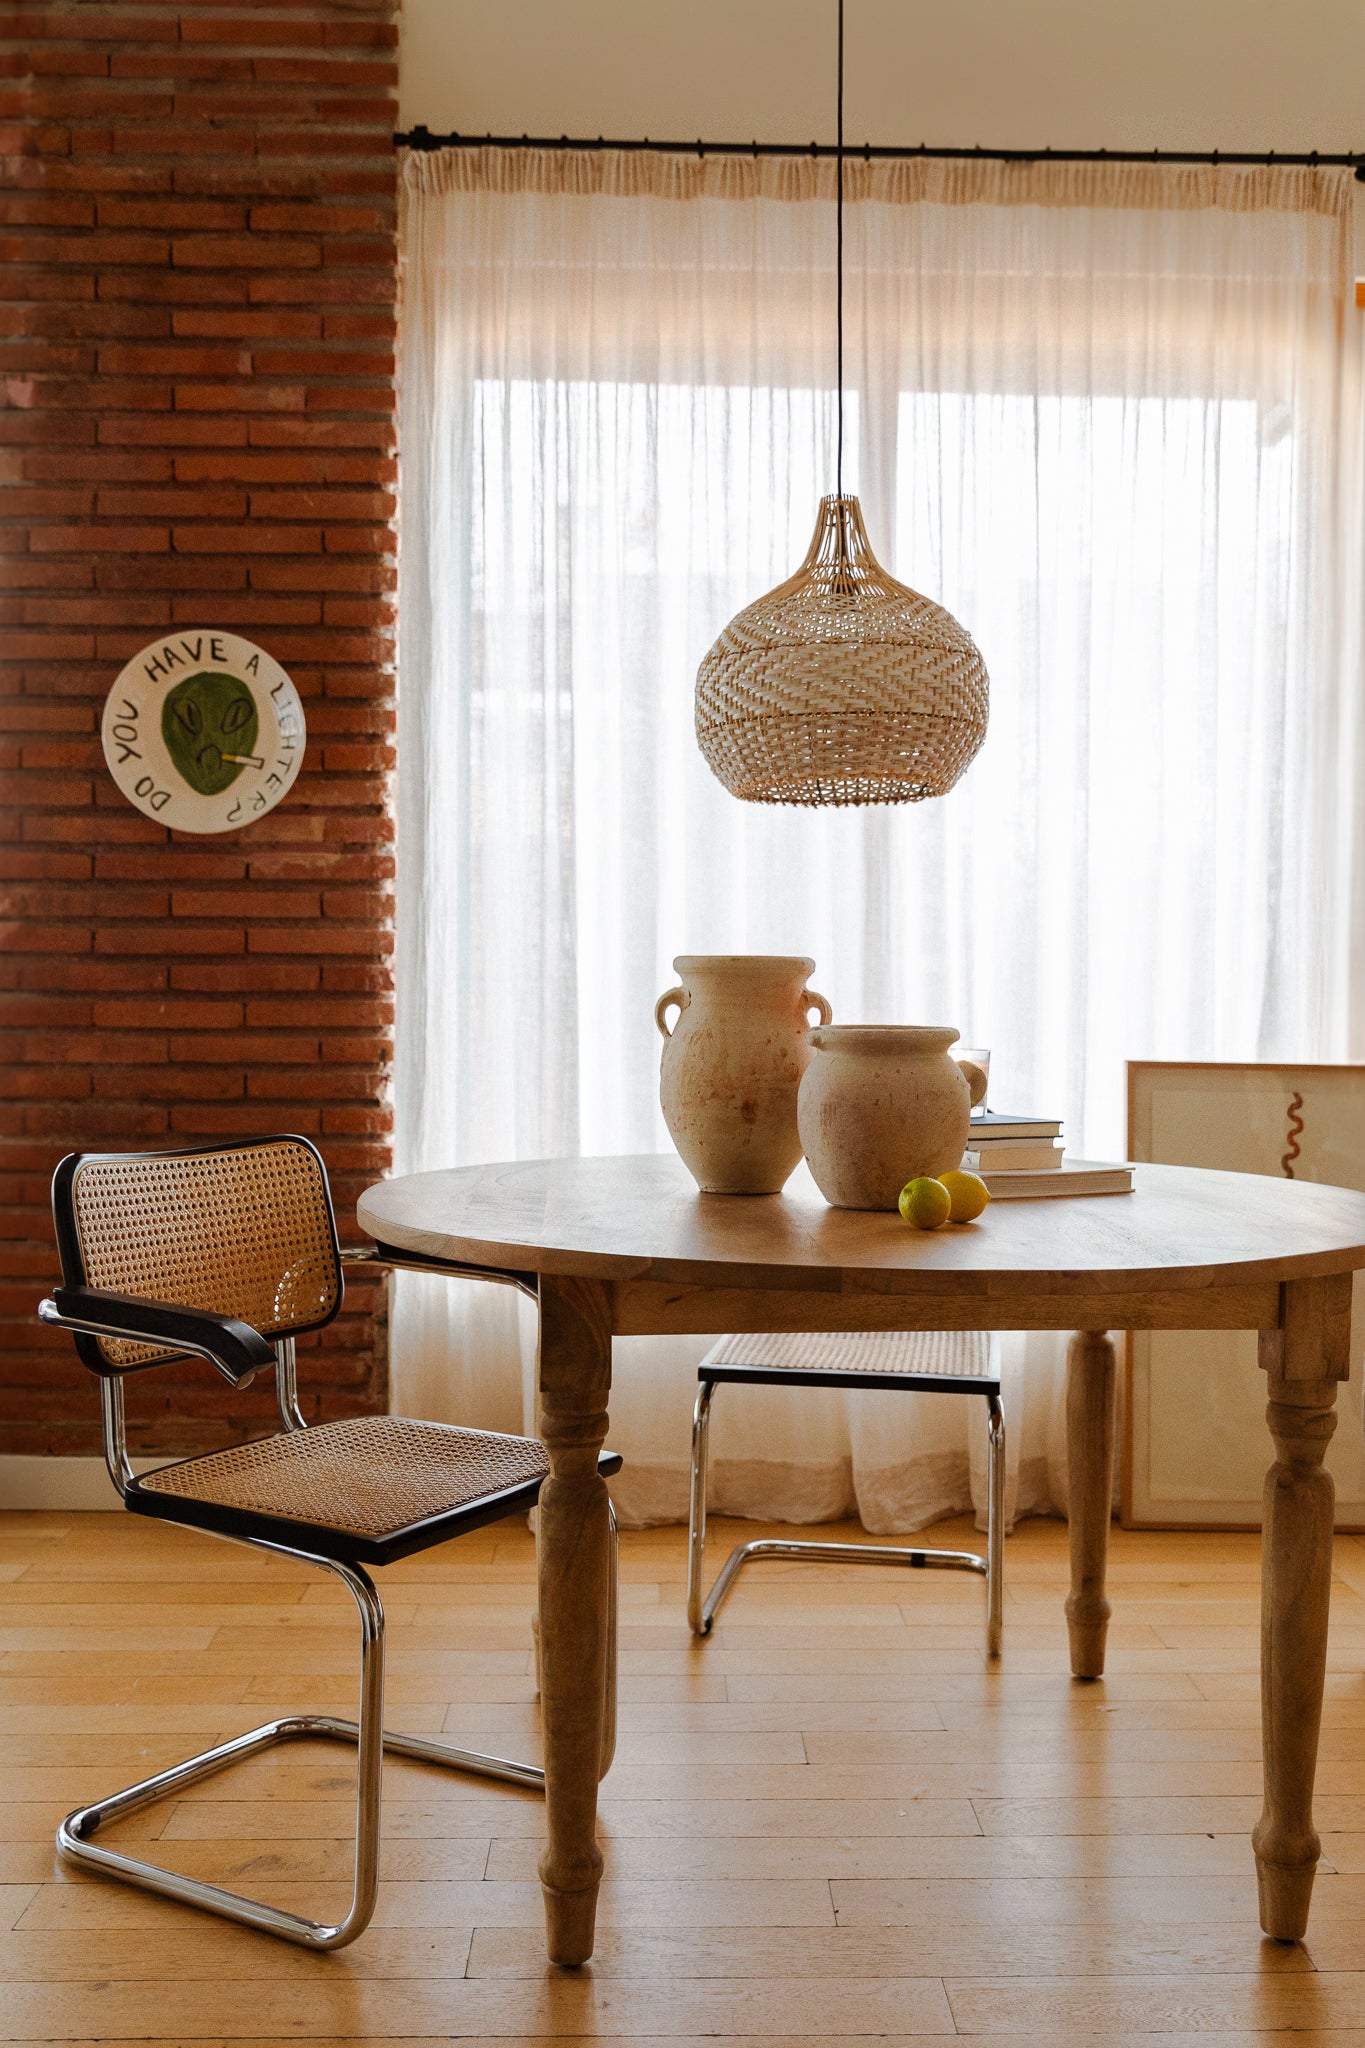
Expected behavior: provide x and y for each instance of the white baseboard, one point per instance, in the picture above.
(68, 1485)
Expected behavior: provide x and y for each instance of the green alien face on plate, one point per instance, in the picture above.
(209, 724)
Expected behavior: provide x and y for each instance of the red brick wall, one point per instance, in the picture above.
(198, 429)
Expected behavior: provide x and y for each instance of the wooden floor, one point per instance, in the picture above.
(828, 1822)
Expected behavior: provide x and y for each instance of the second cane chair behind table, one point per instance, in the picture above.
(228, 1253)
(924, 1361)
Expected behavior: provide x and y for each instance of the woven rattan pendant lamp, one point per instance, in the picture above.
(842, 686)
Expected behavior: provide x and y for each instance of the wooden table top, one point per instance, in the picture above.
(642, 1217)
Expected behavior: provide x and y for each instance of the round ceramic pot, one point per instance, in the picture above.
(732, 1064)
(880, 1104)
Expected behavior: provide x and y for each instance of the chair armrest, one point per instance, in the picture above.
(382, 1258)
(233, 1347)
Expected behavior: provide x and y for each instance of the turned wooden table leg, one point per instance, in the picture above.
(1090, 1366)
(1304, 1360)
(574, 1567)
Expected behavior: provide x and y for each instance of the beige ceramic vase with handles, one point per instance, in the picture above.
(732, 1064)
(881, 1104)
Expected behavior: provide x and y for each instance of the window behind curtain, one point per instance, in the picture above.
(1107, 415)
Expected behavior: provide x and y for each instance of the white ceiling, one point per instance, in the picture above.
(1132, 74)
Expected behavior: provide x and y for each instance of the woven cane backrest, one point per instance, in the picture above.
(245, 1231)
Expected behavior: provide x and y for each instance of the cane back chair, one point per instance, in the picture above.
(926, 1361)
(228, 1253)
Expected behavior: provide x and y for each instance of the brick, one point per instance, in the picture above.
(315, 434)
(233, 903)
(302, 1084)
(180, 432)
(175, 863)
(336, 938)
(331, 1012)
(326, 72)
(114, 25)
(300, 976)
(314, 289)
(102, 465)
(250, 326)
(176, 139)
(172, 360)
(88, 251)
(177, 503)
(28, 572)
(155, 573)
(158, 939)
(251, 181)
(168, 288)
(292, 468)
(381, 35)
(246, 1120)
(256, 1048)
(177, 65)
(376, 326)
(253, 539)
(336, 361)
(55, 212)
(46, 285)
(121, 539)
(227, 252)
(82, 175)
(278, 217)
(171, 213)
(248, 611)
(325, 502)
(21, 864)
(347, 574)
(96, 394)
(168, 1013)
(239, 398)
(251, 32)
(84, 319)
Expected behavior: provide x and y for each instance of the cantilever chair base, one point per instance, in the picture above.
(75, 1845)
(825, 1361)
(371, 1739)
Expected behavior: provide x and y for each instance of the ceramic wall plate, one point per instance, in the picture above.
(203, 731)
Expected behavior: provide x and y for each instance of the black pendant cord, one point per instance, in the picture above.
(839, 267)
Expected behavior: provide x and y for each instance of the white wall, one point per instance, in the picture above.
(1132, 74)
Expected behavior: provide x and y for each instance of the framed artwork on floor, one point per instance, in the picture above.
(1195, 1449)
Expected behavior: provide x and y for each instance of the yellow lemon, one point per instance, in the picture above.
(968, 1195)
(925, 1203)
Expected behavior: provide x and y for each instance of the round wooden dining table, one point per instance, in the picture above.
(617, 1247)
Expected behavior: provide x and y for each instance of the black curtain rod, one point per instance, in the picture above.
(421, 137)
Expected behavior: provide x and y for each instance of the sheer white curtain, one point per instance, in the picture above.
(1109, 417)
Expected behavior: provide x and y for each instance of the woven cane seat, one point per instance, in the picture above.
(918, 1358)
(243, 1230)
(368, 1490)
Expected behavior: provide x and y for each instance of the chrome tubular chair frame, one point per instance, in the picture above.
(239, 1352)
(702, 1608)
(368, 1734)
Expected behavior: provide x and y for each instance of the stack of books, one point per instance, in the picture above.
(1024, 1155)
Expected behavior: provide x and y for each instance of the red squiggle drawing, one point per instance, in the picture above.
(1293, 1129)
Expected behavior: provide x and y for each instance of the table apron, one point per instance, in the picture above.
(656, 1308)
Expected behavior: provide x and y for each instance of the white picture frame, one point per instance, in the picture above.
(1195, 1445)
